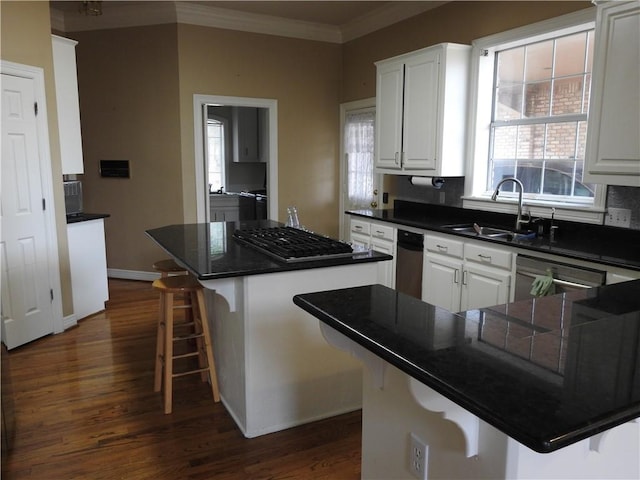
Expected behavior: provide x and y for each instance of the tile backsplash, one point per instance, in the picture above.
(453, 189)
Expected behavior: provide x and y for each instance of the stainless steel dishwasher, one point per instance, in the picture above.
(565, 277)
(409, 263)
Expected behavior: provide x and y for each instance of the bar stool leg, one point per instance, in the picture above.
(206, 338)
(168, 351)
(160, 336)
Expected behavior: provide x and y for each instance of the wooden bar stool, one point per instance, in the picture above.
(188, 286)
(167, 267)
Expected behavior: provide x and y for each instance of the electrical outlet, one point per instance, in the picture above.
(418, 451)
(618, 217)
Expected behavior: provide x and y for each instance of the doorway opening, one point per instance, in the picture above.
(233, 110)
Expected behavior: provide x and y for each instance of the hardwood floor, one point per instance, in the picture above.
(85, 409)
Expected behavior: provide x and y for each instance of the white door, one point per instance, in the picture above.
(484, 287)
(360, 183)
(389, 93)
(441, 282)
(27, 311)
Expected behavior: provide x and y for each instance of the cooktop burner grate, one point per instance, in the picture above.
(293, 245)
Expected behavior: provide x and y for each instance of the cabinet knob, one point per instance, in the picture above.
(374, 204)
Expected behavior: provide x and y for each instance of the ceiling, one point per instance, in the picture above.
(337, 20)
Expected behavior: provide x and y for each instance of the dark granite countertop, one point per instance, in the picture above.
(619, 247)
(85, 217)
(209, 251)
(547, 376)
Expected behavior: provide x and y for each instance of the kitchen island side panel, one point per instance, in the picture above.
(274, 367)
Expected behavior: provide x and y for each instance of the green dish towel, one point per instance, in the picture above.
(543, 285)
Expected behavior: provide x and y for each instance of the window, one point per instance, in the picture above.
(216, 154)
(531, 96)
(539, 119)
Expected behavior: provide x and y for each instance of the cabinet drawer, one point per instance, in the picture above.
(443, 245)
(358, 226)
(488, 256)
(382, 231)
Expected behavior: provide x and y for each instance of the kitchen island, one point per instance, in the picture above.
(542, 388)
(274, 368)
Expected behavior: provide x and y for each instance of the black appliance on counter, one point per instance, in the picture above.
(253, 205)
(73, 197)
(292, 245)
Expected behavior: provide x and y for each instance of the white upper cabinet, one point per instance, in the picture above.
(421, 102)
(68, 104)
(613, 138)
(247, 134)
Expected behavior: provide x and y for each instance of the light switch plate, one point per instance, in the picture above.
(618, 217)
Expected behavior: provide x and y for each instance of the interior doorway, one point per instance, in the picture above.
(201, 106)
(359, 184)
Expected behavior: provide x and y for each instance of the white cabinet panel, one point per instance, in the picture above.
(484, 286)
(613, 140)
(441, 281)
(380, 238)
(68, 104)
(88, 263)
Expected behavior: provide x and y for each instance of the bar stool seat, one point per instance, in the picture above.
(168, 266)
(197, 329)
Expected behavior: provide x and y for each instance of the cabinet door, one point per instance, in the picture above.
(245, 134)
(441, 281)
(613, 143)
(420, 112)
(389, 88)
(386, 270)
(484, 286)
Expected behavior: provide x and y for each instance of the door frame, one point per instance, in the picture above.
(199, 102)
(46, 178)
(344, 108)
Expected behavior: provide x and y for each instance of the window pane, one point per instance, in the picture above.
(561, 140)
(539, 61)
(530, 141)
(504, 142)
(509, 102)
(510, 66)
(570, 55)
(537, 99)
(567, 95)
(590, 40)
(582, 141)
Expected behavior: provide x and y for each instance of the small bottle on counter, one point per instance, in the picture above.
(292, 217)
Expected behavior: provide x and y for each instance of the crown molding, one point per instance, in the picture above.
(155, 13)
(383, 16)
(208, 16)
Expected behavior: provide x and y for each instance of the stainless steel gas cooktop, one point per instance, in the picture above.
(292, 245)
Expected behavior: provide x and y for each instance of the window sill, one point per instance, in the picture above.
(537, 208)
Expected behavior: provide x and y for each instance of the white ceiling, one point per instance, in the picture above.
(333, 21)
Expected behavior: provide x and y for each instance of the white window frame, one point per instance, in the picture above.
(480, 106)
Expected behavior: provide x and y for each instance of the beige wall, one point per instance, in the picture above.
(26, 39)
(128, 82)
(304, 77)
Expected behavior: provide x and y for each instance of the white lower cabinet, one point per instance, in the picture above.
(88, 263)
(380, 238)
(461, 275)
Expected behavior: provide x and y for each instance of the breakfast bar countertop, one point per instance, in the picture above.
(209, 251)
(548, 372)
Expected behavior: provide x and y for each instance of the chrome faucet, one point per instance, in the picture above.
(494, 197)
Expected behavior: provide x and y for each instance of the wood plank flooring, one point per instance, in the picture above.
(85, 409)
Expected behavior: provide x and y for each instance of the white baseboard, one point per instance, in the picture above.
(69, 321)
(132, 274)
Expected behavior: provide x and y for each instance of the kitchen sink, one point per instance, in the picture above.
(489, 232)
